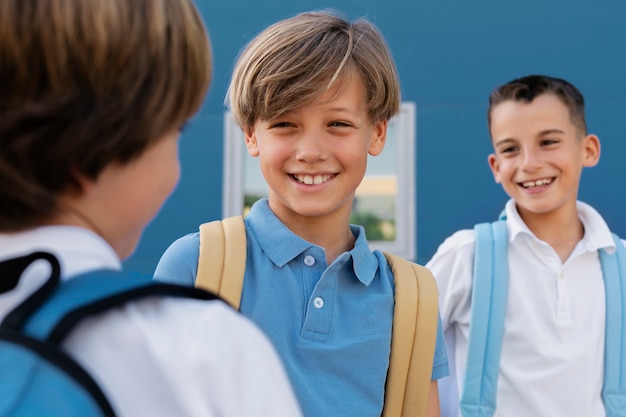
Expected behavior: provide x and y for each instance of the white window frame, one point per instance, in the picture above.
(401, 130)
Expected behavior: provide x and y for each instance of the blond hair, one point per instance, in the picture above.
(295, 61)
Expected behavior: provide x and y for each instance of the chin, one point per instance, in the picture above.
(125, 251)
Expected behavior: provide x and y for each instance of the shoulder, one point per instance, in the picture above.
(210, 317)
(185, 243)
(233, 354)
(460, 242)
(596, 228)
(179, 262)
(452, 263)
(161, 343)
(211, 335)
(206, 332)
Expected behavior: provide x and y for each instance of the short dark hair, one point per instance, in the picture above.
(84, 84)
(527, 88)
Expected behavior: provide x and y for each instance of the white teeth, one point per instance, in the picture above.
(310, 179)
(536, 183)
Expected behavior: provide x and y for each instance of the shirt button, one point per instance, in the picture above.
(318, 302)
(309, 260)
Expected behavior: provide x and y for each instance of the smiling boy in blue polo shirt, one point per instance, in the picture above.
(313, 95)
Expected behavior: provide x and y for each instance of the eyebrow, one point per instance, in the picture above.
(540, 134)
(503, 141)
(342, 109)
(551, 131)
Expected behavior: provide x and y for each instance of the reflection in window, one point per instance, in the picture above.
(384, 202)
(374, 207)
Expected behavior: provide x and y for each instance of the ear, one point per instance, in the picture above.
(591, 150)
(495, 167)
(251, 141)
(81, 184)
(379, 138)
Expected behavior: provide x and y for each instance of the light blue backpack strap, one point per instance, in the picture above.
(74, 293)
(489, 294)
(94, 292)
(614, 272)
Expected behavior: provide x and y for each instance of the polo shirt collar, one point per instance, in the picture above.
(364, 262)
(78, 250)
(281, 245)
(597, 233)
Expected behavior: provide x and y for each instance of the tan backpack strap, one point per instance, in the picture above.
(222, 259)
(414, 336)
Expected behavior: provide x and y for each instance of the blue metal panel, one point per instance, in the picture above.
(450, 54)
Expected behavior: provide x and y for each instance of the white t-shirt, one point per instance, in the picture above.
(159, 356)
(553, 348)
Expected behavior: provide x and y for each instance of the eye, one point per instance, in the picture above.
(339, 124)
(280, 124)
(548, 142)
(509, 149)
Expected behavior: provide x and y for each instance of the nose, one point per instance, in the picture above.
(531, 160)
(310, 147)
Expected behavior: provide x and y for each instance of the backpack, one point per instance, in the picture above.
(39, 378)
(487, 323)
(221, 268)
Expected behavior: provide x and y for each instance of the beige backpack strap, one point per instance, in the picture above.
(222, 259)
(414, 335)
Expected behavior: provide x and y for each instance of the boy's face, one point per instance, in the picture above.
(539, 153)
(314, 158)
(125, 198)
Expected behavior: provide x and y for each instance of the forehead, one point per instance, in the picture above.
(348, 84)
(514, 118)
(347, 93)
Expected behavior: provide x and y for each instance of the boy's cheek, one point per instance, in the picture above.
(497, 177)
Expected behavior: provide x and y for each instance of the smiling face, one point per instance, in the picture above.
(314, 158)
(539, 154)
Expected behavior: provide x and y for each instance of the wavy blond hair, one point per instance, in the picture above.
(296, 60)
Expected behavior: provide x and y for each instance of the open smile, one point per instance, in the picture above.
(537, 183)
(312, 179)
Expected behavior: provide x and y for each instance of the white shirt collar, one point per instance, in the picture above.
(597, 232)
(78, 250)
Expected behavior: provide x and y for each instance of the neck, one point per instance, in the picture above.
(70, 214)
(335, 237)
(562, 230)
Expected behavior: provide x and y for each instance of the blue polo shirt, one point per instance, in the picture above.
(330, 324)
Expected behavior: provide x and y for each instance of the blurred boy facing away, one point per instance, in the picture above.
(313, 95)
(552, 357)
(92, 98)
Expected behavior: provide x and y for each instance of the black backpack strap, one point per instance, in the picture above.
(11, 271)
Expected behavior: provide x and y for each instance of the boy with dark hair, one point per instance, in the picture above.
(552, 356)
(93, 95)
(313, 95)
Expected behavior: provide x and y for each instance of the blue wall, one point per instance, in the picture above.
(450, 54)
